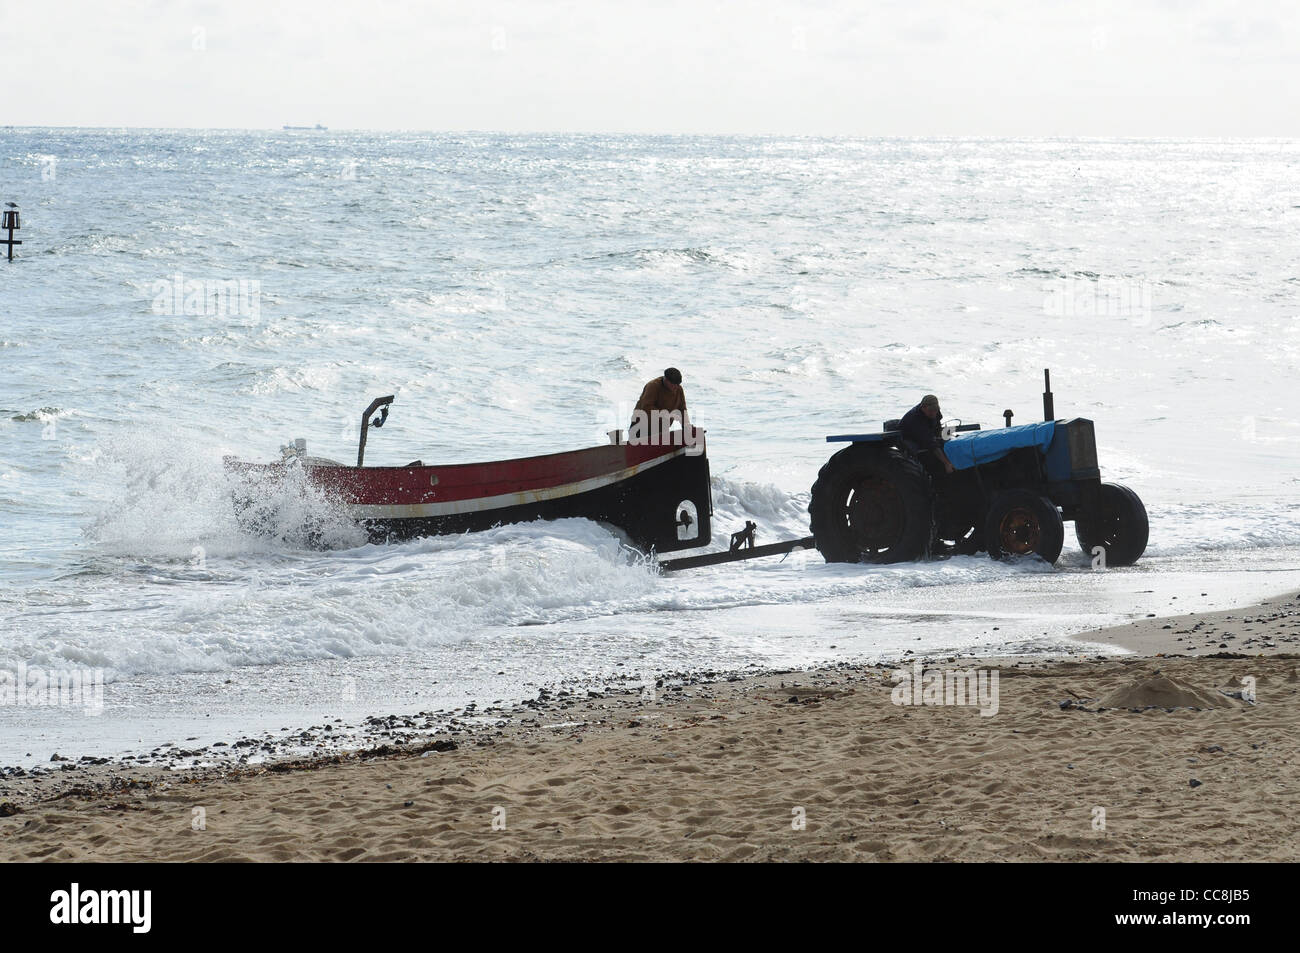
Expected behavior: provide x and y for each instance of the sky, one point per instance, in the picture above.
(818, 67)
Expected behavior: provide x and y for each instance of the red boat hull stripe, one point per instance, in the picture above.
(392, 511)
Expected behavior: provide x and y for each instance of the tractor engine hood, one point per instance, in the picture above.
(984, 446)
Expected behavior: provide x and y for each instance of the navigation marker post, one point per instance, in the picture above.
(11, 222)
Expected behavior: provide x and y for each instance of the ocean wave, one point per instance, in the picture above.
(42, 415)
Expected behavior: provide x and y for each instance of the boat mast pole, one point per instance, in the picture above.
(379, 422)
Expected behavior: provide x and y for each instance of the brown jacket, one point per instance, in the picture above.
(656, 396)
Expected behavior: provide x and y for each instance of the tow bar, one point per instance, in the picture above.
(742, 547)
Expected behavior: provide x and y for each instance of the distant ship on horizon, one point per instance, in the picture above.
(316, 128)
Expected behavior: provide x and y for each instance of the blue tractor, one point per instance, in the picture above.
(1011, 491)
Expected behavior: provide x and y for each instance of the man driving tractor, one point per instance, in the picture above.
(922, 429)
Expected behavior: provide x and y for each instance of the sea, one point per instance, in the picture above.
(181, 295)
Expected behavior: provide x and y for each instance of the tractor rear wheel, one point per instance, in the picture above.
(871, 505)
(1021, 522)
(1121, 531)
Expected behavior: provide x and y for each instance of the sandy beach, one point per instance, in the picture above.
(1187, 751)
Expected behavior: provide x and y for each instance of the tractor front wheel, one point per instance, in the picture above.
(1121, 529)
(1021, 522)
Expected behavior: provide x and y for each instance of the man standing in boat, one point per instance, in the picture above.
(663, 402)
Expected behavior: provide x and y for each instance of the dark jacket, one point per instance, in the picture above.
(920, 431)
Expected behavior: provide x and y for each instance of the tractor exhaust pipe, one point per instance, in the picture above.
(1049, 407)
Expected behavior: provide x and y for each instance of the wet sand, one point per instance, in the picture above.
(1169, 755)
(1271, 627)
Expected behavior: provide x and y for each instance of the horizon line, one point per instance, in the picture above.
(675, 135)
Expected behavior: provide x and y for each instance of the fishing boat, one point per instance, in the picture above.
(657, 492)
